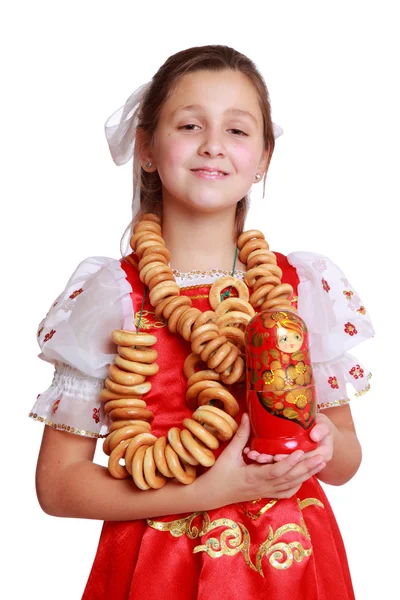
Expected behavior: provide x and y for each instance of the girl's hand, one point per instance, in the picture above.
(322, 433)
(232, 480)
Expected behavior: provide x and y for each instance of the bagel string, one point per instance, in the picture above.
(217, 360)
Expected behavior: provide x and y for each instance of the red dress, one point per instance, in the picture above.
(289, 549)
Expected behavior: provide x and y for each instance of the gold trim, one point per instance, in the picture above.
(62, 427)
(346, 400)
(235, 538)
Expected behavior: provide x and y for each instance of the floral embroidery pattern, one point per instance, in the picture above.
(319, 265)
(361, 310)
(357, 372)
(348, 294)
(333, 383)
(40, 331)
(55, 406)
(96, 415)
(325, 285)
(76, 293)
(350, 329)
(48, 336)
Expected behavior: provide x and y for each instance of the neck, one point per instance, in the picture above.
(200, 241)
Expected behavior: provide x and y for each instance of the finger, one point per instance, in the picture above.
(246, 450)
(282, 467)
(240, 439)
(265, 459)
(318, 432)
(278, 457)
(298, 481)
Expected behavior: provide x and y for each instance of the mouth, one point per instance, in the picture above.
(209, 173)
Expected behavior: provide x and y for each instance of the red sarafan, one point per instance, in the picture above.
(280, 385)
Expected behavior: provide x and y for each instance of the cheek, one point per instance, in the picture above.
(172, 152)
(245, 157)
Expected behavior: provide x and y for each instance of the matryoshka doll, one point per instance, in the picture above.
(280, 385)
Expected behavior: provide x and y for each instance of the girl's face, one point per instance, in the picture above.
(289, 341)
(209, 142)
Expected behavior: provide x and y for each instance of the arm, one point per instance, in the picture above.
(336, 434)
(69, 484)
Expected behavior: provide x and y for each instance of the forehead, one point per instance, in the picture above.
(218, 91)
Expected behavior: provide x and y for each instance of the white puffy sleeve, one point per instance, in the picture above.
(336, 320)
(75, 338)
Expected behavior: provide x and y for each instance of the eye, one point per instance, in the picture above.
(189, 127)
(297, 337)
(238, 132)
(283, 338)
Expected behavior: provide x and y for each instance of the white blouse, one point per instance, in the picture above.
(75, 336)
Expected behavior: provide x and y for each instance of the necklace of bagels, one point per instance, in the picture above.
(217, 360)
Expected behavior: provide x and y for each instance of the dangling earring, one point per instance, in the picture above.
(258, 176)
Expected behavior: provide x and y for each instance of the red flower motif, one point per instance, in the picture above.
(48, 336)
(333, 383)
(357, 372)
(348, 294)
(38, 396)
(96, 414)
(361, 310)
(76, 293)
(55, 406)
(40, 331)
(325, 285)
(350, 329)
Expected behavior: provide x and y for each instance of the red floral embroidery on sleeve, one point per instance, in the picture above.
(76, 293)
(40, 331)
(361, 310)
(333, 383)
(348, 294)
(96, 415)
(325, 285)
(357, 372)
(350, 329)
(48, 336)
(55, 406)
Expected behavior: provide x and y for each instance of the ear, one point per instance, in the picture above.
(264, 161)
(146, 157)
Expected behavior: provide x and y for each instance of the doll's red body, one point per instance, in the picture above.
(280, 386)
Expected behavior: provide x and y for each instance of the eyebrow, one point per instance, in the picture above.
(198, 107)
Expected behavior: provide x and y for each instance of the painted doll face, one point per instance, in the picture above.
(289, 341)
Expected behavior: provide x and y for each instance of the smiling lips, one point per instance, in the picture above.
(206, 173)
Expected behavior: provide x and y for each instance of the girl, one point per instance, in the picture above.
(200, 134)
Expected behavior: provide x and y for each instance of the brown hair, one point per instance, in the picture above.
(213, 58)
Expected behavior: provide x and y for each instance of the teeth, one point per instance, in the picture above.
(210, 172)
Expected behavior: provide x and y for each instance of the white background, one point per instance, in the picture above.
(332, 73)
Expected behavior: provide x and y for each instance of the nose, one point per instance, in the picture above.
(211, 144)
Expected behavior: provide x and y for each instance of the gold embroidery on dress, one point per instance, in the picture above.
(255, 516)
(235, 538)
(184, 526)
(149, 320)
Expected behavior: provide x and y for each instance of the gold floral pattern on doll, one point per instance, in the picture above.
(291, 405)
(278, 378)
